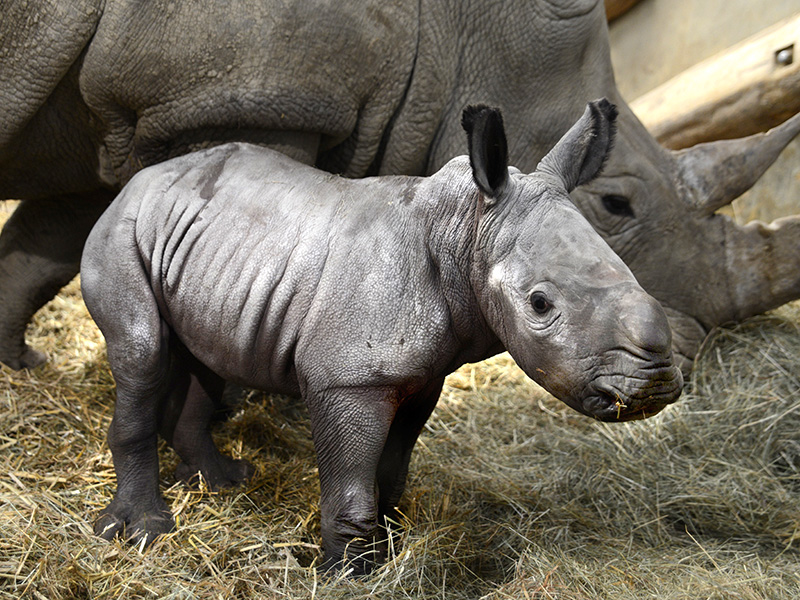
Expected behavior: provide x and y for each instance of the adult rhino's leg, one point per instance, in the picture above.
(406, 427)
(40, 252)
(350, 428)
(196, 400)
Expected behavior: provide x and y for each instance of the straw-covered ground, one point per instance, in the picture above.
(511, 494)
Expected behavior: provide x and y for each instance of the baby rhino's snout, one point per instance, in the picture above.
(641, 379)
(645, 326)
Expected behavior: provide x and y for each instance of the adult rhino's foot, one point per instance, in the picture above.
(137, 522)
(218, 472)
(28, 358)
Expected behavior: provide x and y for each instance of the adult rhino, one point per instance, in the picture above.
(94, 90)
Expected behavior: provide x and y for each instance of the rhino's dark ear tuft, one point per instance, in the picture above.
(580, 154)
(488, 149)
(604, 130)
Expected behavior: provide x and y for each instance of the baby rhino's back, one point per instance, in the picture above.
(230, 241)
(253, 258)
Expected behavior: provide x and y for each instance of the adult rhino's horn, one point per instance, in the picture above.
(716, 173)
(762, 262)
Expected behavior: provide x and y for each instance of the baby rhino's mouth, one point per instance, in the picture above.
(632, 398)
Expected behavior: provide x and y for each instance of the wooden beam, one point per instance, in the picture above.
(747, 88)
(616, 8)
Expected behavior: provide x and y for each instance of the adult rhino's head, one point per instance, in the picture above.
(564, 305)
(657, 209)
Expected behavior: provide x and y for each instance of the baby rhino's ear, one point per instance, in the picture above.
(579, 156)
(488, 150)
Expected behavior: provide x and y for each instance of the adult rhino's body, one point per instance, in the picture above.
(237, 263)
(93, 91)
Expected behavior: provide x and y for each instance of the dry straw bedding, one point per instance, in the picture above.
(511, 494)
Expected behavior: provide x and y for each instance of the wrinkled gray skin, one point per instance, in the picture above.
(92, 91)
(240, 264)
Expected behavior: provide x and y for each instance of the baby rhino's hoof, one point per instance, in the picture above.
(223, 472)
(135, 524)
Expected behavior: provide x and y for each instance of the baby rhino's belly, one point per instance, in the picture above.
(239, 314)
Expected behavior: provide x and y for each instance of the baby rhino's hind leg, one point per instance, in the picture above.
(138, 353)
(191, 437)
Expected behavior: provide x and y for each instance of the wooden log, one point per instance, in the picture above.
(750, 87)
(616, 8)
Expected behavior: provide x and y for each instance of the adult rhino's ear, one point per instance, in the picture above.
(488, 149)
(579, 156)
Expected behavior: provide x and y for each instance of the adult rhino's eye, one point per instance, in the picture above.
(617, 205)
(540, 303)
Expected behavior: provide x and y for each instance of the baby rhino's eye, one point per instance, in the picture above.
(540, 303)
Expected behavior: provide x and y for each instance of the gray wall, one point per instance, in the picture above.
(657, 39)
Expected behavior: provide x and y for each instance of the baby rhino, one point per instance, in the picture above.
(239, 264)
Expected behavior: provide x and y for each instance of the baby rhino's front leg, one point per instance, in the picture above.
(350, 427)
